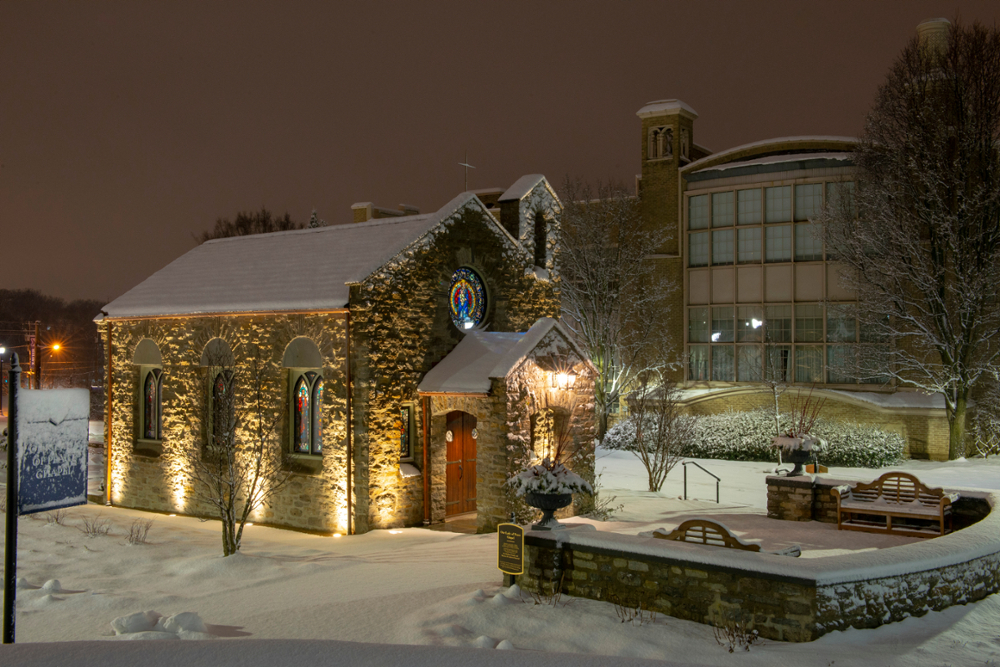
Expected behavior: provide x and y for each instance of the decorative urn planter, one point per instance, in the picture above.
(548, 503)
(798, 450)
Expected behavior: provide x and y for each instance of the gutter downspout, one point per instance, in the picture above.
(108, 423)
(350, 448)
(425, 405)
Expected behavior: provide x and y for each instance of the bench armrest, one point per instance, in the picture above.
(842, 491)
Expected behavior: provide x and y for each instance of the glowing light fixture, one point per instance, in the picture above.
(395, 532)
(755, 323)
(716, 336)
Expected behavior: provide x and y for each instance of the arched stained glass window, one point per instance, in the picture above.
(307, 413)
(302, 419)
(317, 416)
(152, 411)
(467, 299)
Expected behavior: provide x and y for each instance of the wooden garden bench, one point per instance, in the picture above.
(704, 531)
(894, 495)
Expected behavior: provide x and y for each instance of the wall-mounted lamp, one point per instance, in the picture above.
(563, 380)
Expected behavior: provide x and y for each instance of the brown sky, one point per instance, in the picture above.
(127, 127)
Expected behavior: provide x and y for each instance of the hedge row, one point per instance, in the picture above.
(747, 436)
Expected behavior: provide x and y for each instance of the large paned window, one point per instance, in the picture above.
(778, 243)
(778, 363)
(778, 204)
(722, 247)
(749, 207)
(698, 212)
(808, 323)
(749, 324)
(722, 209)
(722, 363)
(808, 201)
(778, 320)
(307, 411)
(698, 249)
(809, 363)
(722, 324)
(840, 194)
(151, 412)
(699, 328)
(808, 243)
(840, 364)
(840, 325)
(748, 366)
(698, 362)
(748, 245)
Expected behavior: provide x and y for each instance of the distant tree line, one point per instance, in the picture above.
(78, 362)
(247, 223)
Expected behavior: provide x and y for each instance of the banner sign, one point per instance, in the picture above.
(52, 434)
(510, 548)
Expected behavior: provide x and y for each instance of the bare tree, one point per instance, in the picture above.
(660, 428)
(921, 243)
(612, 297)
(243, 464)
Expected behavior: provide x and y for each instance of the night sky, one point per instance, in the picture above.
(128, 127)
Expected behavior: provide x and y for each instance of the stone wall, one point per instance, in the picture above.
(783, 598)
(158, 475)
(779, 607)
(401, 327)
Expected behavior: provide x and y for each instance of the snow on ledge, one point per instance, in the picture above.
(968, 544)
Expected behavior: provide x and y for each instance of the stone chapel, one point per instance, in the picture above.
(410, 357)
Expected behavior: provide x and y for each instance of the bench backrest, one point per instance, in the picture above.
(703, 531)
(897, 487)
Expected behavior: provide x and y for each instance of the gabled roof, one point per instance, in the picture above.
(484, 355)
(521, 187)
(307, 269)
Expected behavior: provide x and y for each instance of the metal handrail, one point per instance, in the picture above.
(717, 480)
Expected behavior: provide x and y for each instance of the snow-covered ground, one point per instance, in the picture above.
(368, 599)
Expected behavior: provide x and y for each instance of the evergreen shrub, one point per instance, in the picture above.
(747, 436)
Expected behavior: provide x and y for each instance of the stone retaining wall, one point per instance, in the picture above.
(784, 598)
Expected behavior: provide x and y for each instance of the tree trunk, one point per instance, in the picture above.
(956, 427)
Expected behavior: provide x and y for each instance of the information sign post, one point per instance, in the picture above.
(510, 551)
(46, 465)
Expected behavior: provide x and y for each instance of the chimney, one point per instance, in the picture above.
(363, 211)
(933, 35)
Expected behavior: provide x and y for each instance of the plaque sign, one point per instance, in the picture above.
(510, 548)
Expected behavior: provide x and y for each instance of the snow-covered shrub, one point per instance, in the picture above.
(747, 436)
(859, 445)
(549, 477)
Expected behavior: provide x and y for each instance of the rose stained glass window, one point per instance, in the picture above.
(467, 299)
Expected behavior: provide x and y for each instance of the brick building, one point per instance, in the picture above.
(758, 294)
(408, 356)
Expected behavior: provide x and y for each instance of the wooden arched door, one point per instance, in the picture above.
(461, 466)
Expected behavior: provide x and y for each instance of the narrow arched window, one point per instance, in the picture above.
(152, 409)
(541, 238)
(223, 409)
(317, 417)
(307, 412)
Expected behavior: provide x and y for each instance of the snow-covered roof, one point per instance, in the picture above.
(660, 106)
(521, 187)
(307, 269)
(828, 142)
(777, 159)
(890, 401)
(467, 368)
(483, 355)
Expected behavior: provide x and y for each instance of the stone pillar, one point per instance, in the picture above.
(790, 498)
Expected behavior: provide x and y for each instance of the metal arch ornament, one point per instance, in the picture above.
(449, 436)
(467, 299)
(475, 434)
